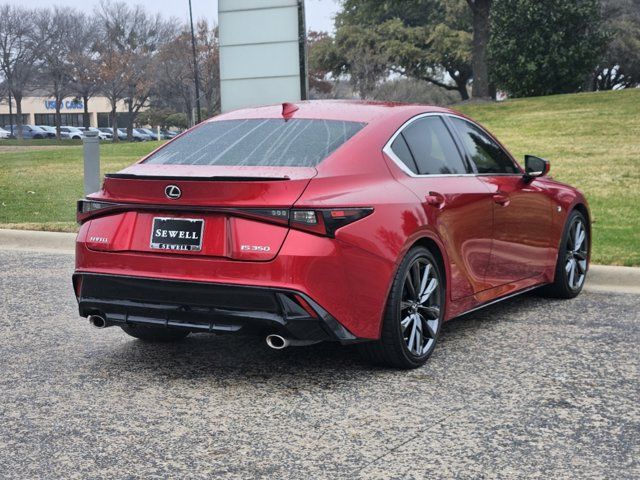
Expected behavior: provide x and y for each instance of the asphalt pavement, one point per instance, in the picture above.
(529, 388)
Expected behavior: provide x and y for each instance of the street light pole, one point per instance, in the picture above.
(195, 65)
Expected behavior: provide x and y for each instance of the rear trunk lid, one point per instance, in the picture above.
(212, 213)
(207, 185)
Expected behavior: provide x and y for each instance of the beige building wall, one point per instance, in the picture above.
(45, 105)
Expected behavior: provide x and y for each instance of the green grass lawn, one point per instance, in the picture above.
(592, 141)
(40, 182)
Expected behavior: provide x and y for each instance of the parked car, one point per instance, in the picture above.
(74, 133)
(4, 133)
(101, 135)
(367, 223)
(50, 131)
(136, 136)
(109, 130)
(169, 134)
(153, 135)
(28, 131)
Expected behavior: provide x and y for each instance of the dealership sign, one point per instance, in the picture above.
(262, 52)
(68, 104)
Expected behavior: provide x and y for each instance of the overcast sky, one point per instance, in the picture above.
(319, 12)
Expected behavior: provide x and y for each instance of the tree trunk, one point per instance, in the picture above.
(114, 122)
(461, 84)
(18, 100)
(86, 120)
(130, 120)
(58, 118)
(481, 26)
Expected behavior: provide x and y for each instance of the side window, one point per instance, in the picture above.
(400, 148)
(433, 148)
(485, 152)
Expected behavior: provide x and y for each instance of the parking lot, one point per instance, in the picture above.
(531, 388)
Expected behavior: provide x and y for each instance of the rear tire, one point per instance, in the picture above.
(413, 315)
(573, 259)
(155, 334)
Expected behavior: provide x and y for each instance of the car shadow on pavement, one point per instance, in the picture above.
(233, 356)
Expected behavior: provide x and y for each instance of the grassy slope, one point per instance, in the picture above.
(39, 185)
(593, 143)
(592, 140)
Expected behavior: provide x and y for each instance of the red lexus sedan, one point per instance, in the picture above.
(356, 222)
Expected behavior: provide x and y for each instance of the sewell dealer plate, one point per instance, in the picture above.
(177, 234)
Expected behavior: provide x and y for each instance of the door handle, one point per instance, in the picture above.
(436, 199)
(501, 199)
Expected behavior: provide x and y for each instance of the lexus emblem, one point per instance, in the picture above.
(173, 192)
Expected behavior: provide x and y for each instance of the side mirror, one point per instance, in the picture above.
(535, 167)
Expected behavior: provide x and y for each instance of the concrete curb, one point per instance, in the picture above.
(601, 278)
(609, 278)
(50, 242)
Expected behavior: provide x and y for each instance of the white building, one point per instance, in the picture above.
(40, 110)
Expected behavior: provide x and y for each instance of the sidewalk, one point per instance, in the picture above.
(601, 278)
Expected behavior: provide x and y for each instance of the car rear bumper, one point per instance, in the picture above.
(209, 307)
(350, 283)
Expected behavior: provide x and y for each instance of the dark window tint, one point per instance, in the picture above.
(485, 152)
(258, 142)
(433, 148)
(400, 148)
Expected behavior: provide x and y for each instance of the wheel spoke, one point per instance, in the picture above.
(431, 312)
(571, 240)
(579, 236)
(412, 337)
(572, 274)
(568, 265)
(425, 278)
(582, 266)
(433, 284)
(419, 340)
(415, 277)
(405, 322)
(431, 329)
(412, 289)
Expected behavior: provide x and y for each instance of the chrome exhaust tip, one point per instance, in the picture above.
(277, 342)
(97, 321)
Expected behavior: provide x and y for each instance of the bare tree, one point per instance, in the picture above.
(174, 83)
(18, 54)
(113, 58)
(57, 31)
(85, 67)
(130, 39)
(209, 65)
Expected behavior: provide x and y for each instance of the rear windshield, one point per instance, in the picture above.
(258, 142)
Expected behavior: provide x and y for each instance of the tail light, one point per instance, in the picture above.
(89, 208)
(320, 221)
(326, 221)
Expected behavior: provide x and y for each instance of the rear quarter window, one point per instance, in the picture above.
(258, 142)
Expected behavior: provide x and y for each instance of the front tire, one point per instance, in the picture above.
(573, 259)
(413, 315)
(155, 334)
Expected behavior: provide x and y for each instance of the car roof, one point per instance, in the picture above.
(346, 110)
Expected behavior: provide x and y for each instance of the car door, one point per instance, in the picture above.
(521, 209)
(455, 202)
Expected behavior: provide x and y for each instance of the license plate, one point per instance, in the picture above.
(177, 234)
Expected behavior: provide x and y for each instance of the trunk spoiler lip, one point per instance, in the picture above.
(186, 178)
